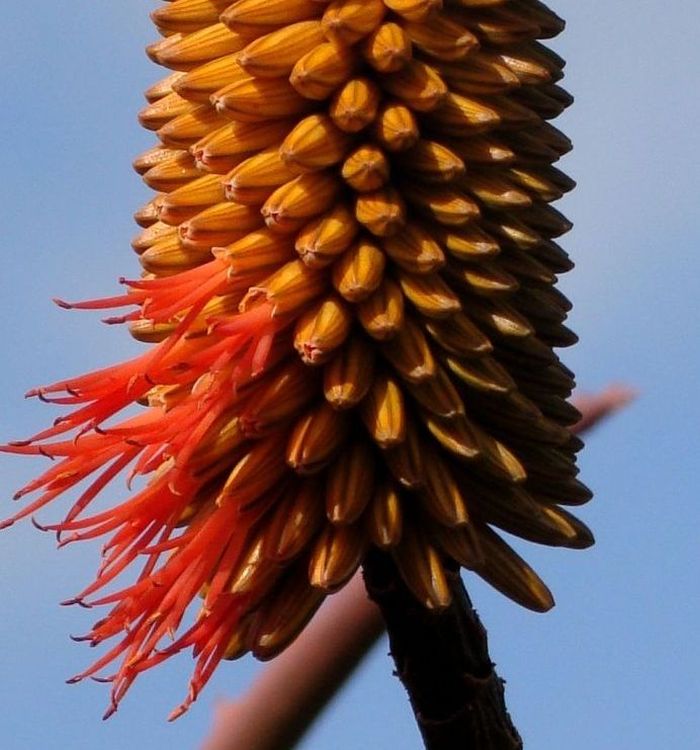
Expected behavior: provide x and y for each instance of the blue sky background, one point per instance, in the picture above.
(617, 663)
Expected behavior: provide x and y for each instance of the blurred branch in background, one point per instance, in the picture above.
(596, 407)
(285, 700)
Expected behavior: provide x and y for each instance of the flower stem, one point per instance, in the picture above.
(443, 662)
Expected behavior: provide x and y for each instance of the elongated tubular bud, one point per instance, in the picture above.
(297, 201)
(414, 250)
(410, 354)
(200, 82)
(321, 330)
(187, 15)
(257, 472)
(382, 212)
(314, 439)
(148, 214)
(442, 38)
(347, 21)
(355, 105)
(253, 576)
(442, 497)
(254, 180)
(282, 617)
(187, 129)
(433, 162)
(259, 99)
(366, 169)
(509, 573)
(336, 556)
(276, 53)
(461, 543)
(152, 234)
(350, 484)
(203, 46)
(256, 251)
(162, 111)
(282, 396)
(359, 271)
(168, 257)
(484, 279)
(220, 224)
(456, 435)
(466, 242)
(169, 175)
(418, 86)
(154, 156)
(163, 87)
(315, 143)
(421, 568)
(187, 201)
(415, 11)
(348, 376)
(445, 205)
(384, 519)
(323, 69)
(388, 48)
(396, 127)
(295, 522)
(288, 289)
(405, 460)
(383, 412)
(235, 142)
(438, 395)
(382, 313)
(255, 17)
(322, 240)
(430, 295)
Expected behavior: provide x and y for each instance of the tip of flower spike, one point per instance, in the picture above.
(6, 523)
(40, 393)
(176, 713)
(39, 526)
(17, 444)
(81, 603)
(62, 303)
(102, 680)
(110, 712)
(184, 707)
(74, 537)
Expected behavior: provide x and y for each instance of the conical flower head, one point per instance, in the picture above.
(349, 305)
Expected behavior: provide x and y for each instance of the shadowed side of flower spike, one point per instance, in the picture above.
(348, 297)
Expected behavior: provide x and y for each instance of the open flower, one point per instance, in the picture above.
(350, 305)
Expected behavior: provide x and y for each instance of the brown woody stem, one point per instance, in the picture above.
(443, 662)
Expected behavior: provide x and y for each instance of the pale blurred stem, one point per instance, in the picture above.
(284, 701)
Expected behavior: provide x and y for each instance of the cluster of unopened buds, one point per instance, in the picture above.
(348, 296)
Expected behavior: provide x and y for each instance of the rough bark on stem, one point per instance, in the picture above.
(443, 661)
